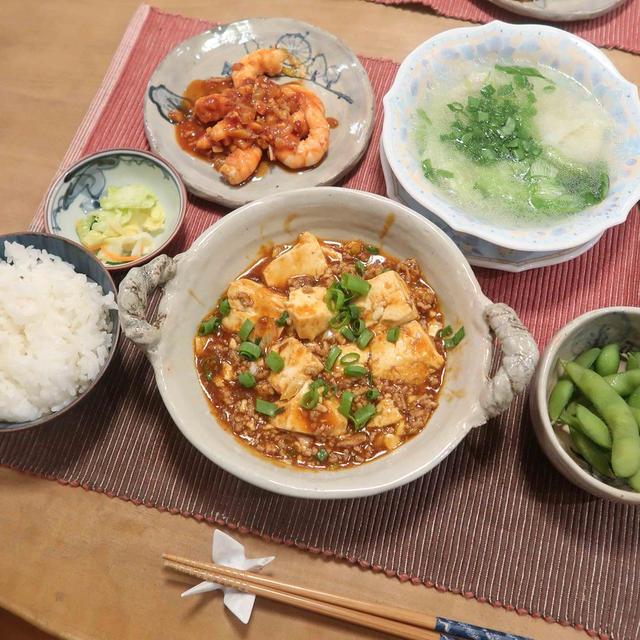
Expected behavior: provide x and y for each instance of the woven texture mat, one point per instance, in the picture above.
(618, 29)
(493, 521)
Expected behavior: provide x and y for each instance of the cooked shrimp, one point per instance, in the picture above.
(310, 150)
(213, 107)
(259, 62)
(240, 164)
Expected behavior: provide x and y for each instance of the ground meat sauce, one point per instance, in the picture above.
(260, 114)
(219, 363)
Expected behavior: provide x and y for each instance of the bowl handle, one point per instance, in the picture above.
(133, 296)
(519, 359)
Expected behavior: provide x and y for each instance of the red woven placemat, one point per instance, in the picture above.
(494, 520)
(618, 29)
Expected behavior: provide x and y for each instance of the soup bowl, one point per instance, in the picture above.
(194, 280)
(437, 59)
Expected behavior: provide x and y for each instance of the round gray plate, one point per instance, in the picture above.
(560, 10)
(330, 69)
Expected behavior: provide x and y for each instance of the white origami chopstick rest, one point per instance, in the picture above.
(229, 553)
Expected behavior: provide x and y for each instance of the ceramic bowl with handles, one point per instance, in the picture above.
(194, 280)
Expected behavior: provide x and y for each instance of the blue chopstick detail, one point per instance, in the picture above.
(472, 632)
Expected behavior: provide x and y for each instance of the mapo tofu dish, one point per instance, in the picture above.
(324, 354)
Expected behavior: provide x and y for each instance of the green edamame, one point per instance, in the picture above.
(588, 357)
(625, 447)
(593, 427)
(634, 481)
(596, 457)
(633, 399)
(559, 397)
(609, 360)
(633, 360)
(625, 382)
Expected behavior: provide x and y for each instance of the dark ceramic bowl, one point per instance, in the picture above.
(83, 262)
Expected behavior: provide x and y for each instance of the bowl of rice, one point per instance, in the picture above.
(59, 326)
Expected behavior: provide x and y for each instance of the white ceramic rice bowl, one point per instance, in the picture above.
(198, 277)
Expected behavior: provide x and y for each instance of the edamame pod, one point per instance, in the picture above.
(609, 360)
(634, 481)
(588, 357)
(625, 447)
(633, 360)
(560, 395)
(593, 427)
(624, 383)
(595, 456)
(634, 398)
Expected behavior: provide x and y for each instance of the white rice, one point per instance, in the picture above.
(54, 333)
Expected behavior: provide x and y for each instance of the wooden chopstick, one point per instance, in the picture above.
(381, 610)
(369, 620)
(415, 621)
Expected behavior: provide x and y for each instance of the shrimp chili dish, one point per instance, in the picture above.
(324, 354)
(233, 121)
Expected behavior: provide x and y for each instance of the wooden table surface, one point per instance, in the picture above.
(77, 564)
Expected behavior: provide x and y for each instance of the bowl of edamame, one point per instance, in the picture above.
(585, 402)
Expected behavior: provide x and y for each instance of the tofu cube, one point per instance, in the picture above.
(253, 301)
(386, 414)
(388, 301)
(305, 258)
(328, 420)
(308, 311)
(300, 365)
(410, 360)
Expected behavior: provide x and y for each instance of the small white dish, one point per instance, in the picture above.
(329, 68)
(525, 45)
(559, 10)
(194, 280)
(78, 190)
(592, 329)
(478, 252)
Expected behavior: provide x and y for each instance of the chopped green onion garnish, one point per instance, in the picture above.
(339, 320)
(370, 378)
(364, 339)
(267, 408)
(355, 370)
(371, 249)
(209, 326)
(316, 384)
(359, 267)
(334, 299)
(246, 379)
(245, 330)
(358, 326)
(454, 339)
(444, 332)
(372, 394)
(347, 334)
(310, 399)
(329, 392)
(362, 416)
(282, 320)
(249, 350)
(274, 362)
(350, 358)
(354, 311)
(224, 307)
(208, 376)
(352, 283)
(321, 455)
(345, 403)
(331, 358)
(393, 333)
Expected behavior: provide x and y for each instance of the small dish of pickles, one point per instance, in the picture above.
(585, 402)
(123, 205)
